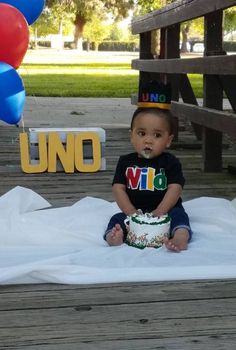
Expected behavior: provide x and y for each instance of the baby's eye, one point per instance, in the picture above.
(157, 135)
(141, 133)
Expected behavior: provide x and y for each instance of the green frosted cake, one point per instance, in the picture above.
(144, 230)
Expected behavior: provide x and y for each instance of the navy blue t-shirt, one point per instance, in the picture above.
(146, 180)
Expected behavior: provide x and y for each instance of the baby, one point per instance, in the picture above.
(151, 134)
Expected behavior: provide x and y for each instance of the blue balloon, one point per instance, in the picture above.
(31, 9)
(12, 94)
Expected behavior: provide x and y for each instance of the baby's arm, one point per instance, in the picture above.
(122, 199)
(170, 199)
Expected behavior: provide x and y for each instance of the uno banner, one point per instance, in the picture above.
(63, 149)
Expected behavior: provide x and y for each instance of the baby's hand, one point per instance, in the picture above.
(157, 213)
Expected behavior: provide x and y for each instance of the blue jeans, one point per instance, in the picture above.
(179, 219)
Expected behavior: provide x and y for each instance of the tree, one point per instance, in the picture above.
(145, 6)
(185, 28)
(115, 32)
(230, 20)
(84, 10)
(95, 32)
(190, 28)
(53, 20)
(42, 27)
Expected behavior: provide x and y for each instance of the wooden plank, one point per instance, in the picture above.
(211, 342)
(94, 313)
(111, 322)
(116, 316)
(219, 65)
(212, 150)
(232, 169)
(212, 93)
(229, 83)
(213, 39)
(217, 120)
(172, 38)
(172, 51)
(179, 11)
(186, 90)
(145, 53)
(146, 46)
(188, 96)
(34, 296)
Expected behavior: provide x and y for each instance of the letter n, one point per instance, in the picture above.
(57, 150)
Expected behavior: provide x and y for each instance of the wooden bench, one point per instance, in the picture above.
(218, 69)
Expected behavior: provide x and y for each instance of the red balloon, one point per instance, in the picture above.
(14, 35)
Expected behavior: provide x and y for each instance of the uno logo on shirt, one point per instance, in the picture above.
(146, 179)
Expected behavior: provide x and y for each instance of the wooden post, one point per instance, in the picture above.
(188, 96)
(172, 50)
(145, 52)
(228, 84)
(212, 93)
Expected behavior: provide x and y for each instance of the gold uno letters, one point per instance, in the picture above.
(77, 149)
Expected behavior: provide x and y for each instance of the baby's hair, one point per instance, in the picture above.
(162, 113)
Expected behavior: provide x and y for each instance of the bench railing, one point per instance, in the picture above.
(218, 69)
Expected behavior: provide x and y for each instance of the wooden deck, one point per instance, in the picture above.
(172, 315)
(184, 315)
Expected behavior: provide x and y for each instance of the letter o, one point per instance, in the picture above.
(96, 152)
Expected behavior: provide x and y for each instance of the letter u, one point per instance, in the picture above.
(24, 154)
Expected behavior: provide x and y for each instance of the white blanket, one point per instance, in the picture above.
(65, 245)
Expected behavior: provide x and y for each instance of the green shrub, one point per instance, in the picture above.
(229, 46)
(118, 46)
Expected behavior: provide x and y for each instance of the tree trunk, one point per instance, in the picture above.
(155, 43)
(96, 45)
(88, 46)
(60, 30)
(78, 34)
(60, 36)
(184, 31)
(35, 37)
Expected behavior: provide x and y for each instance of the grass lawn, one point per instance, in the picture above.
(85, 80)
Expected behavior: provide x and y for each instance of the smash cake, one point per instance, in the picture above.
(145, 230)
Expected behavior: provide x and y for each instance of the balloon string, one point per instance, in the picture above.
(36, 101)
(23, 123)
(33, 95)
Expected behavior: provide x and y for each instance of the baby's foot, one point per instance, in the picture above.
(179, 241)
(115, 236)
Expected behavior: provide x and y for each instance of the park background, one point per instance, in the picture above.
(84, 49)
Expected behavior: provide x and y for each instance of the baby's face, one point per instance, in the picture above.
(150, 135)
